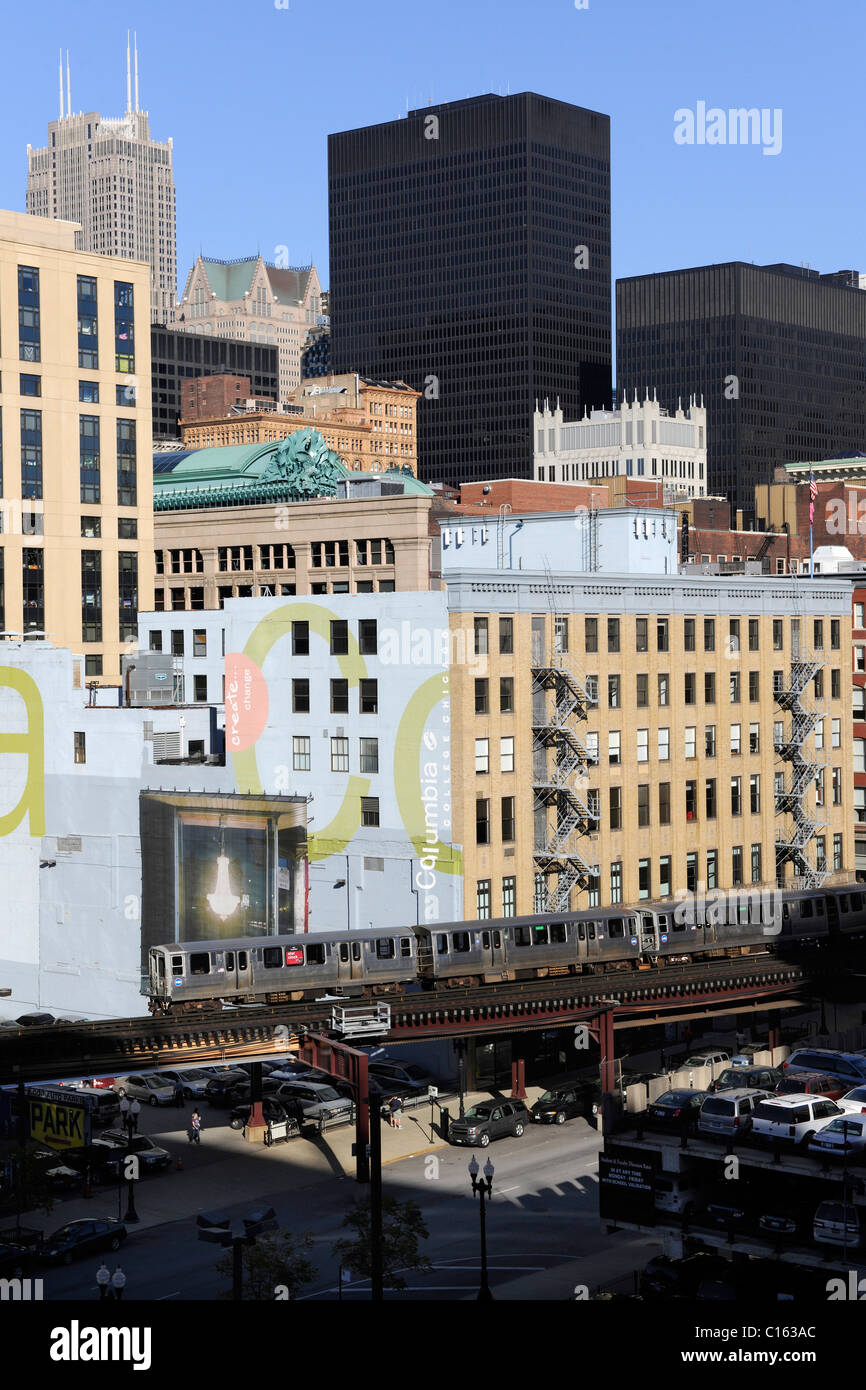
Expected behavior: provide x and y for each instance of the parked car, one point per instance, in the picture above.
(272, 1109)
(850, 1067)
(194, 1082)
(727, 1204)
(734, 1077)
(319, 1101)
(666, 1276)
(50, 1168)
(36, 1020)
(792, 1119)
(745, 1055)
(147, 1087)
(16, 1261)
(729, 1113)
(675, 1111)
(836, 1223)
(780, 1217)
(380, 1088)
(150, 1155)
(97, 1162)
(83, 1238)
(490, 1119)
(295, 1071)
(564, 1102)
(844, 1137)
(711, 1057)
(408, 1073)
(854, 1100)
(810, 1083)
(104, 1103)
(223, 1089)
(677, 1194)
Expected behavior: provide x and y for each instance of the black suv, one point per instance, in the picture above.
(565, 1101)
(490, 1119)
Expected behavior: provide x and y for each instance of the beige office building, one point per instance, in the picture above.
(254, 301)
(76, 549)
(108, 175)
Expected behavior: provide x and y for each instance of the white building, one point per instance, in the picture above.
(638, 440)
(108, 175)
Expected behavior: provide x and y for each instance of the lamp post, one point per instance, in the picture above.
(482, 1187)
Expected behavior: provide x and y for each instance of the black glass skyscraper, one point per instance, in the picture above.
(470, 256)
(778, 352)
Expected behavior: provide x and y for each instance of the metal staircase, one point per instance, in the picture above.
(804, 769)
(560, 761)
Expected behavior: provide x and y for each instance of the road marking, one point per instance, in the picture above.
(164, 1296)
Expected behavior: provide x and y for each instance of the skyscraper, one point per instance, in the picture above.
(776, 351)
(470, 256)
(108, 175)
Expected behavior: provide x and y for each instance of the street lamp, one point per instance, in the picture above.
(482, 1187)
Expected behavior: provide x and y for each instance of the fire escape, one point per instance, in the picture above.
(563, 814)
(804, 769)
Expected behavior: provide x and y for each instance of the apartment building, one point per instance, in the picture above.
(76, 549)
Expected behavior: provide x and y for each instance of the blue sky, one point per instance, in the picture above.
(250, 92)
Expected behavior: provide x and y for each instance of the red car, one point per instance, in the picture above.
(811, 1083)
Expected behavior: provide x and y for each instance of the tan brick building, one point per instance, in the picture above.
(76, 549)
(683, 722)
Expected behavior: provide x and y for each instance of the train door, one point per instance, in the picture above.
(238, 973)
(648, 933)
(350, 962)
(492, 954)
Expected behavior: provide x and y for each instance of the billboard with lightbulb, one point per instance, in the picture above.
(222, 866)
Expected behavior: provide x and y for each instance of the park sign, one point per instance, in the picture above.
(58, 1117)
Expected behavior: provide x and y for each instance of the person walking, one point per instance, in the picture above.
(118, 1282)
(103, 1279)
(395, 1105)
(124, 1113)
(195, 1128)
(178, 1094)
(134, 1112)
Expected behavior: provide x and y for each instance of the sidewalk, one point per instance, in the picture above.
(224, 1168)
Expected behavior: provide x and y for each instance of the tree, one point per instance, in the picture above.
(274, 1267)
(403, 1226)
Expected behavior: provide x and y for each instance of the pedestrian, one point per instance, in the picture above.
(134, 1112)
(395, 1105)
(124, 1112)
(118, 1282)
(178, 1095)
(103, 1279)
(195, 1128)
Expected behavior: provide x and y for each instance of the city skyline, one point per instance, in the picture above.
(730, 203)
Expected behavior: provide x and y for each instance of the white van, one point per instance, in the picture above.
(676, 1193)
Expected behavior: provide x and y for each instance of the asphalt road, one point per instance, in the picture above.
(543, 1231)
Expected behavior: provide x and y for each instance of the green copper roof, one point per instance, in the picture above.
(413, 486)
(230, 281)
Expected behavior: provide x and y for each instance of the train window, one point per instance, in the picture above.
(243, 960)
(819, 907)
(615, 927)
(385, 948)
(539, 936)
(316, 955)
(460, 941)
(786, 911)
(356, 950)
(581, 931)
(497, 941)
(177, 965)
(856, 902)
(272, 957)
(405, 945)
(663, 921)
(592, 931)
(522, 936)
(806, 907)
(442, 944)
(558, 932)
(344, 952)
(843, 902)
(160, 967)
(230, 960)
(199, 963)
(485, 940)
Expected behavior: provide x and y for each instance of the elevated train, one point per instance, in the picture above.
(364, 963)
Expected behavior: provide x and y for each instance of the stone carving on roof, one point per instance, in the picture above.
(304, 461)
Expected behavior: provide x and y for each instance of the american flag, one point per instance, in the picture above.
(813, 493)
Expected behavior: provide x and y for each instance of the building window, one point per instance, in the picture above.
(127, 595)
(480, 629)
(300, 639)
(29, 385)
(29, 348)
(662, 634)
(644, 878)
(688, 634)
(641, 637)
(481, 699)
(616, 882)
(339, 696)
(709, 687)
(127, 530)
(835, 684)
(199, 642)
(664, 745)
(369, 696)
(300, 753)
(368, 636)
(369, 810)
(613, 634)
(643, 806)
(200, 689)
(691, 800)
(735, 687)
(712, 868)
(482, 899)
(754, 738)
(509, 896)
(642, 691)
(124, 328)
(837, 786)
(339, 754)
(778, 634)
(613, 747)
(339, 638)
(482, 755)
(665, 876)
(737, 865)
(591, 633)
(560, 635)
(664, 803)
(691, 741)
(692, 871)
(710, 740)
(753, 634)
(300, 696)
(125, 396)
(88, 329)
(613, 692)
(757, 869)
(615, 808)
(31, 454)
(709, 634)
(736, 796)
(664, 687)
(369, 755)
(482, 821)
(91, 528)
(837, 851)
(755, 793)
(91, 596)
(126, 464)
(507, 809)
(736, 748)
(710, 798)
(80, 746)
(92, 665)
(506, 694)
(506, 641)
(506, 754)
(754, 687)
(539, 894)
(156, 641)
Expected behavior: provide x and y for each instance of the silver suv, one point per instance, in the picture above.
(319, 1101)
(729, 1113)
